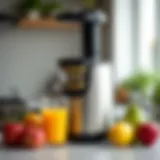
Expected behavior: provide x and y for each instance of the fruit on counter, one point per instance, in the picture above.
(148, 133)
(122, 134)
(134, 115)
(33, 119)
(13, 133)
(34, 137)
(121, 95)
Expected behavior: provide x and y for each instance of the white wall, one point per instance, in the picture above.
(122, 38)
(28, 57)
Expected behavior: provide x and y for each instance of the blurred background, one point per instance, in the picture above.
(29, 51)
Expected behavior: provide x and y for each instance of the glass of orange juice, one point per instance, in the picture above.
(55, 121)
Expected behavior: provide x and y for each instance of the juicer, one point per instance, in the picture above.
(89, 81)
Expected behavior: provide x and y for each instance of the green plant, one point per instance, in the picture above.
(44, 8)
(89, 3)
(156, 94)
(139, 82)
(30, 4)
(49, 7)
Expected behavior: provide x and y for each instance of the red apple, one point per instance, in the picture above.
(12, 133)
(34, 137)
(148, 133)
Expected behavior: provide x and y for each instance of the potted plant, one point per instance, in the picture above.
(139, 86)
(31, 8)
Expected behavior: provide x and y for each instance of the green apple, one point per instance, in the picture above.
(134, 115)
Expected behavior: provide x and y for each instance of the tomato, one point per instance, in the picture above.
(13, 133)
(148, 133)
(34, 137)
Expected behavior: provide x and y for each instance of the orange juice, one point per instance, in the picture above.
(55, 122)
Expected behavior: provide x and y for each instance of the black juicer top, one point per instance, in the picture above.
(91, 42)
(91, 30)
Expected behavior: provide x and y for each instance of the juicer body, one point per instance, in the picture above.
(98, 101)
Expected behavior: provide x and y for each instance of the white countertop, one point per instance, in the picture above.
(83, 152)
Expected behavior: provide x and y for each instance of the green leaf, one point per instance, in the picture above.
(89, 3)
(50, 7)
(156, 94)
(31, 4)
(139, 82)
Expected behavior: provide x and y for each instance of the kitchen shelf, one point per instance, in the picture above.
(48, 24)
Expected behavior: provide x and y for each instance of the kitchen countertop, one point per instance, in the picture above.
(83, 152)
